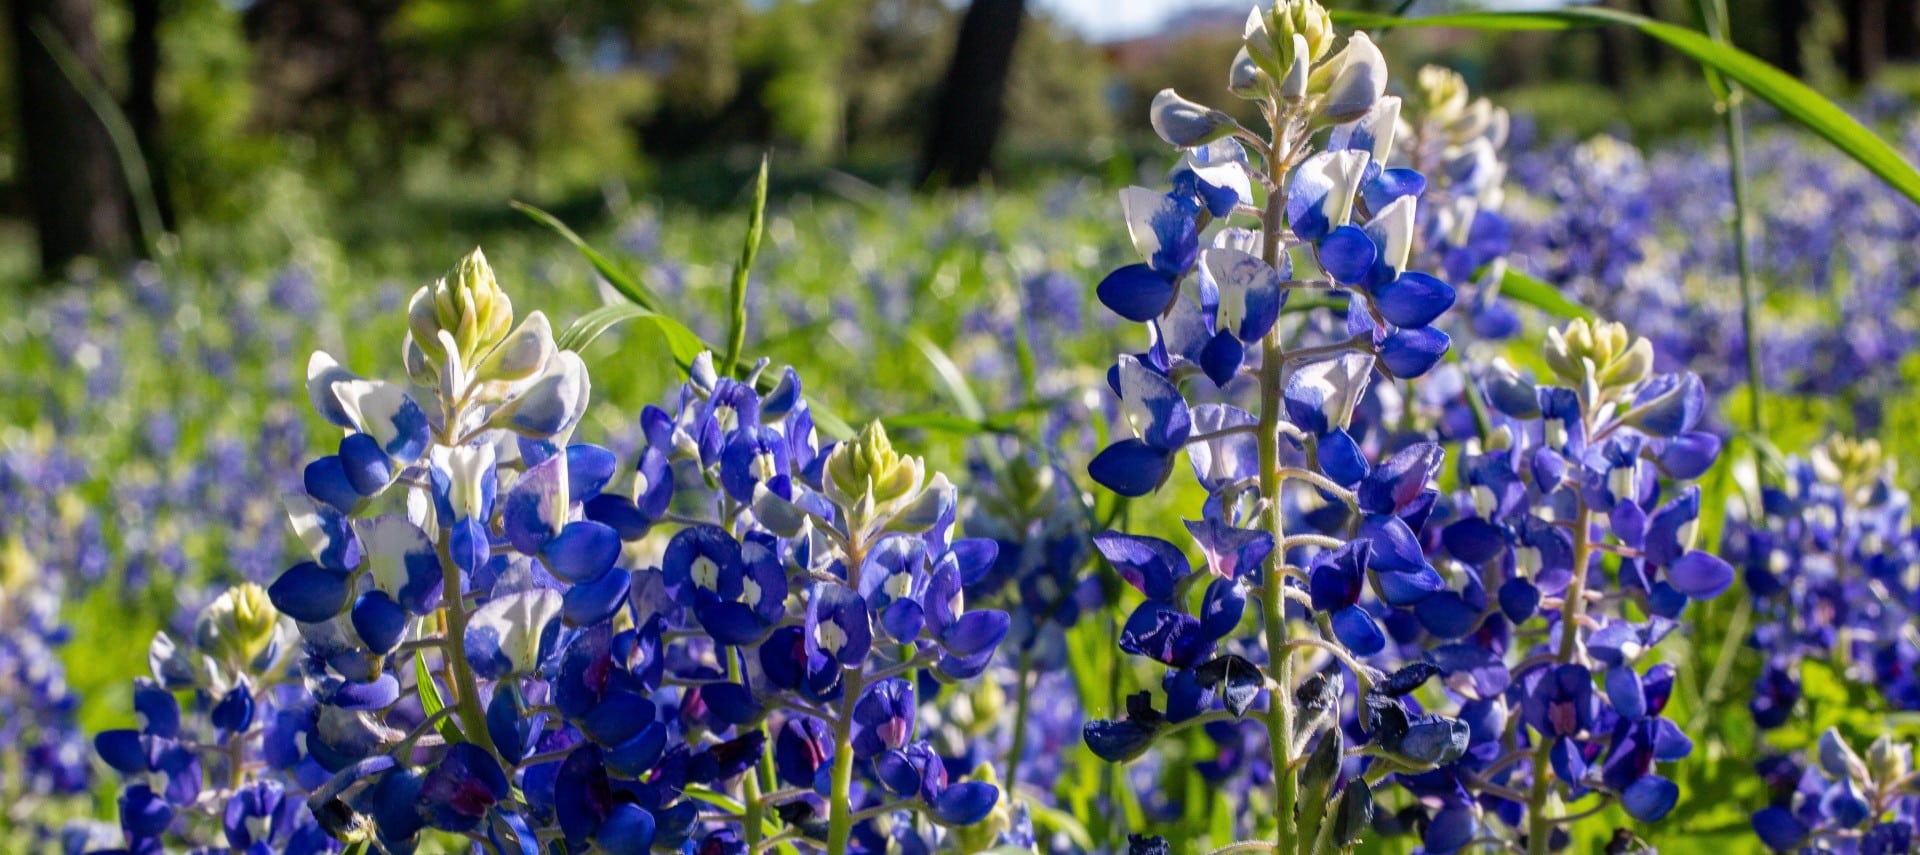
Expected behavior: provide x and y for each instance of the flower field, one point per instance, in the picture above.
(1391, 476)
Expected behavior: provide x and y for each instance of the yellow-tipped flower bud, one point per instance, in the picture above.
(1599, 359)
(1306, 18)
(867, 471)
(1855, 465)
(468, 304)
(237, 627)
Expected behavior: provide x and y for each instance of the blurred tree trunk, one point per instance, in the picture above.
(1903, 30)
(1789, 23)
(970, 110)
(1866, 48)
(75, 186)
(143, 103)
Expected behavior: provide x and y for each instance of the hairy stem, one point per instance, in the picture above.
(840, 800)
(1280, 711)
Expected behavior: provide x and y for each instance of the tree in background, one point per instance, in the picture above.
(968, 115)
(75, 186)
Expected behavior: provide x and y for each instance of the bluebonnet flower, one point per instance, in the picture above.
(1341, 222)
(1827, 560)
(1841, 801)
(477, 643)
(1573, 500)
(223, 772)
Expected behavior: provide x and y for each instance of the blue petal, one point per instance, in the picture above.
(123, 750)
(365, 463)
(1153, 406)
(1357, 631)
(1447, 614)
(1779, 829)
(1649, 798)
(1346, 254)
(309, 593)
(1222, 357)
(1409, 589)
(1519, 599)
(1474, 540)
(965, 803)
(1149, 564)
(1701, 575)
(1137, 292)
(589, 468)
(1413, 300)
(326, 480)
(379, 621)
(1393, 184)
(589, 603)
(535, 508)
(975, 631)
(583, 552)
(1131, 467)
(1342, 459)
(1412, 351)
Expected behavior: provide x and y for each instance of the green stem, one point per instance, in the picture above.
(840, 800)
(840, 820)
(756, 222)
(1713, 15)
(750, 785)
(1539, 825)
(473, 720)
(1279, 712)
(1023, 698)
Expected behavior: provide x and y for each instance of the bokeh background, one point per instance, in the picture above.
(194, 194)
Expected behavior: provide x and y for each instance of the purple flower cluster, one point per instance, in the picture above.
(744, 615)
(1828, 561)
(1842, 802)
(229, 769)
(1644, 238)
(1489, 650)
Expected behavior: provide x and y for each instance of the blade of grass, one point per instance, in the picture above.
(1794, 99)
(626, 283)
(756, 225)
(126, 144)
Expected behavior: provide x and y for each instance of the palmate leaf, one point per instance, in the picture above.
(1793, 98)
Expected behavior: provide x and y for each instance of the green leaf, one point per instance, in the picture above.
(950, 376)
(430, 701)
(1790, 96)
(683, 343)
(626, 283)
(1055, 819)
(756, 225)
(1541, 295)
